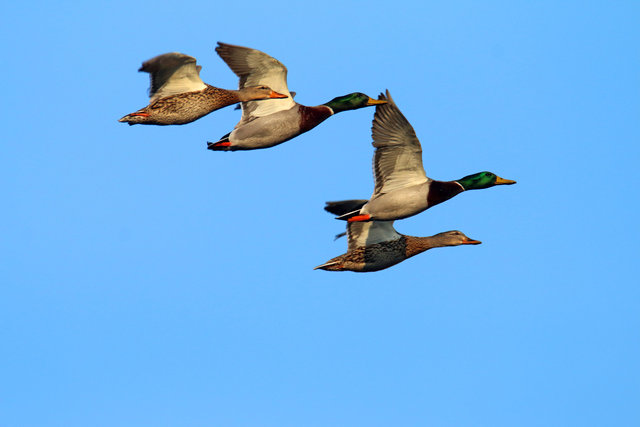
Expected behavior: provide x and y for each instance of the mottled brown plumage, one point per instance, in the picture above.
(189, 106)
(179, 96)
(376, 245)
(370, 258)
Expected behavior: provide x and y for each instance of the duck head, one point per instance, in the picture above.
(454, 238)
(251, 93)
(353, 101)
(481, 180)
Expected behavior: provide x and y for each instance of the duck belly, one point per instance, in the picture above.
(373, 257)
(397, 204)
(276, 128)
(267, 131)
(179, 113)
(189, 106)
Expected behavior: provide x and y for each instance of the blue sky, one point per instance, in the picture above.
(149, 281)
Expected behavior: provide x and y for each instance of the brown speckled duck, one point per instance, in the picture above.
(272, 122)
(179, 96)
(376, 245)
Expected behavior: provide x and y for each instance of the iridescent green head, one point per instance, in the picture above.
(353, 101)
(481, 180)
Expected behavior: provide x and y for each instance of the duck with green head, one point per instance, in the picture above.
(269, 123)
(402, 188)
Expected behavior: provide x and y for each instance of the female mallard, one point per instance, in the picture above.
(179, 96)
(402, 188)
(269, 123)
(376, 245)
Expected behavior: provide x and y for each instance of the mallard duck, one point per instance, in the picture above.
(179, 96)
(402, 188)
(269, 123)
(376, 245)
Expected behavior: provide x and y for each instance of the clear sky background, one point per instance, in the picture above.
(147, 281)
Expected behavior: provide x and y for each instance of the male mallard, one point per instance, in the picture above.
(376, 245)
(265, 124)
(402, 188)
(179, 96)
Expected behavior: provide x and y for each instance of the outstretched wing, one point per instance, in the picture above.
(172, 73)
(397, 162)
(370, 233)
(256, 68)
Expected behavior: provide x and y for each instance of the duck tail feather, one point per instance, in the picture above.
(326, 264)
(344, 209)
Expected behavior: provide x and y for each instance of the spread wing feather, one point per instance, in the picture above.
(171, 74)
(256, 68)
(397, 162)
(370, 233)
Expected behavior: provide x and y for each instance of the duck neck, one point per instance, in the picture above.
(340, 104)
(216, 96)
(241, 95)
(417, 245)
(440, 191)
